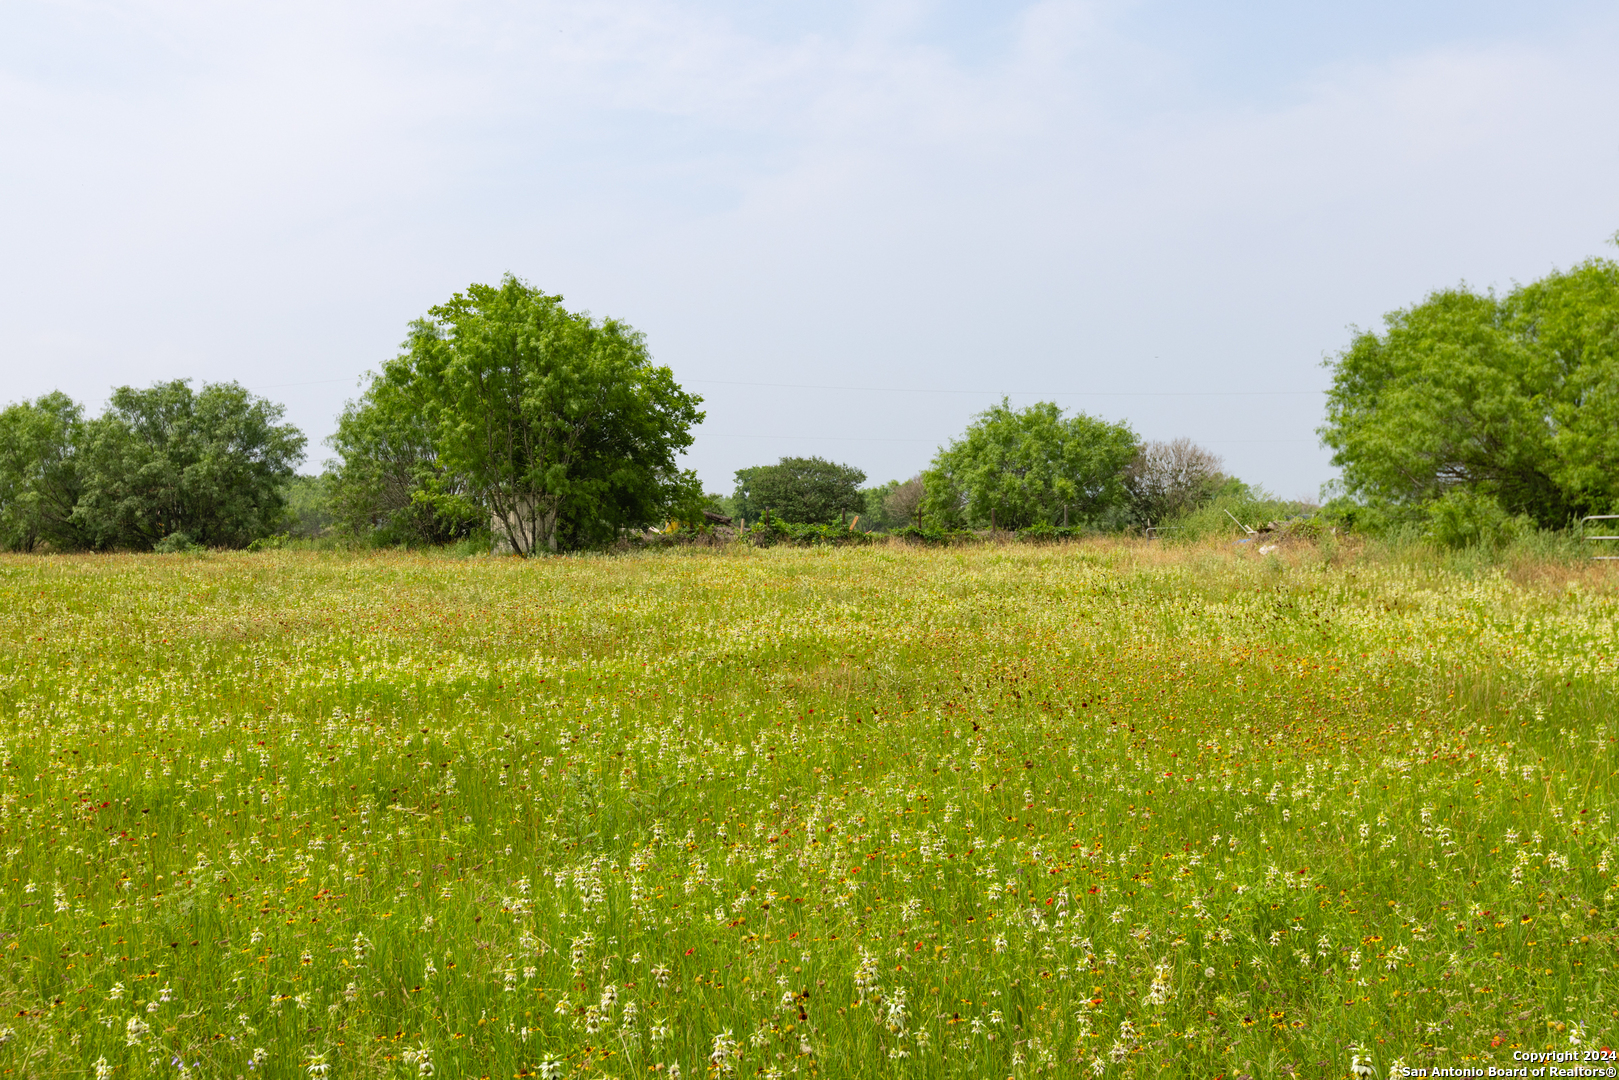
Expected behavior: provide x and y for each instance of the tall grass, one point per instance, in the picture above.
(1112, 808)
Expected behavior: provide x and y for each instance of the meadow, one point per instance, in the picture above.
(1095, 809)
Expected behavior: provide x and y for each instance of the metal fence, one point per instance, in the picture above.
(1589, 539)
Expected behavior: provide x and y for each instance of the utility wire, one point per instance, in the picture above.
(930, 390)
(874, 438)
(1017, 393)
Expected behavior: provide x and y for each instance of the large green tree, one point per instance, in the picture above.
(388, 482)
(210, 465)
(1014, 468)
(807, 490)
(558, 426)
(39, 474)
(1512, 399)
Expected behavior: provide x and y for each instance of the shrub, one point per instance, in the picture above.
(1462, 518)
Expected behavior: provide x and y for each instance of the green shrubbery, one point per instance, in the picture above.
(164, 468)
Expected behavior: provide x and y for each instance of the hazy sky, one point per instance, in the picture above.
(849, 226)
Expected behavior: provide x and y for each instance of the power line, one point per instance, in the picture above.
(872, 438)
(923, 389)
(1016, 393)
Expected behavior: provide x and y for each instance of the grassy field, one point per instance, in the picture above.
(993, 812)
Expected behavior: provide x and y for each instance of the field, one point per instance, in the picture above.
(993, 812)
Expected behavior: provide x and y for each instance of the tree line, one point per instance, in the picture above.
(1012, 469)
(507, 416)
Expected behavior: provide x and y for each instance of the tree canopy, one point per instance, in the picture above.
(557, 426)
(809, 491)
(161, 464)
(39, 475)
(1166, 479)
(1512, 400)
(1014, 468)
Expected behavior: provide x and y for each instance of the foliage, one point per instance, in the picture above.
(770, 530)
(1461, 518)
(1015, 468)
(559, 425)
(164, 460)
(1237, 506)
(890, 506)
(1051, 534)
(388, 484)
(209, 464)
(1166, 480)
(902, 502)
(180, 543)
(807, 491)
(1513, 398)
(987, 810)
(722, 505)
(309, 505)
(930, 535)
(39, 474)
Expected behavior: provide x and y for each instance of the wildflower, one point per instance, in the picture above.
(421, 1057)
(724, 1053)
(134, 1030)
(318, 1066)
(102, 1069)
(116, 992)
(865, 976)
(550, 1068)
(260, 1056)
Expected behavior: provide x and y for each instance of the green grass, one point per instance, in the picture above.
(980, 812)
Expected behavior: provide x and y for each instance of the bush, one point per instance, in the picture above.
(1249, 506)
(270, 543)
(178, 543)
(1462, 518)
(1050, 534)
(915, 534)
(771, 530)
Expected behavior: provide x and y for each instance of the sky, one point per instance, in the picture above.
(849, 226)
